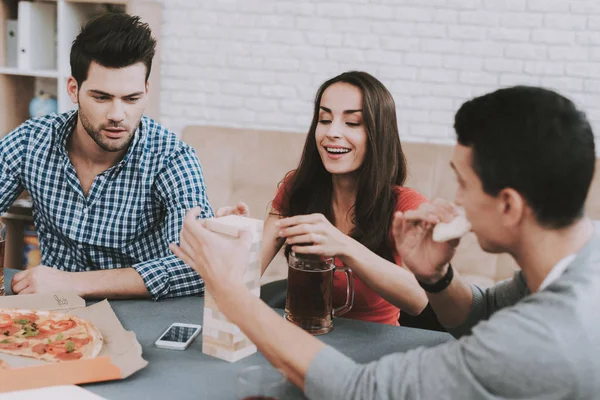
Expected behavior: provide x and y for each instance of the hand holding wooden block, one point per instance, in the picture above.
(220, 337)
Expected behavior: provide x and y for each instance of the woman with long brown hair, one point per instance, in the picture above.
(342, 197)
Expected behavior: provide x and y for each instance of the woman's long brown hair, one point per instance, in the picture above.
(308, 189)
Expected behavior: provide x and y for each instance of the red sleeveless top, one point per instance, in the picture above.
(368, 305)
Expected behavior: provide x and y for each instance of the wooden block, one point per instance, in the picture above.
(221, 338)
(231, 356)
(209, 301)
(215, 342)
(221, 325)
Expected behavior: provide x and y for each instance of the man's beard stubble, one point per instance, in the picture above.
(97, 137)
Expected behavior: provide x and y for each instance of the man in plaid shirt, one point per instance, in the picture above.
(110, 187)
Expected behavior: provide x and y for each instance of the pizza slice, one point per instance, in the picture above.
(48, 336)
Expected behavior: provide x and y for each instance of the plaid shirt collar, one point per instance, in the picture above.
(65, 124)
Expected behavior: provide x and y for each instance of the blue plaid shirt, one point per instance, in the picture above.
(131, 214)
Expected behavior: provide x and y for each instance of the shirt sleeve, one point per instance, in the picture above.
(488, 364)
(278, 203)
(180, 187)
(487, 302)
(409, 199)
(11, 159)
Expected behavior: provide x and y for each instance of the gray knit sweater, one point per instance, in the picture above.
(514, 345)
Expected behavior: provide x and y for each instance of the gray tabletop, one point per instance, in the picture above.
(190, 374)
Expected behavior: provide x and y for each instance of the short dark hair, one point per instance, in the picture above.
(535, 141)
(113, 40)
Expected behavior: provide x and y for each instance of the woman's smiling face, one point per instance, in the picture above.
(341, 135)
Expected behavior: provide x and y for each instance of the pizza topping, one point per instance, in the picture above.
(64, 346)
(39, 348)
(25, 318)
(30, 330)
(5, 321)
(13, 345)
(79, 342)
(12, 330)
(51, 326)
(70, 346)
(69, 356)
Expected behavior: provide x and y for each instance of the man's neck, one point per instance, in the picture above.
(84, 149)
(542, 249)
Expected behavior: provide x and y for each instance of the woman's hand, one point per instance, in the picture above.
(220, 261)
(313, 234)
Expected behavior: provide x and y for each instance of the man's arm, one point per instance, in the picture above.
(488, 364)
(180, 187)
(12, 149)
(485, 364)
(113, 284)
(459, 305)
(462, 305)
(483, 303)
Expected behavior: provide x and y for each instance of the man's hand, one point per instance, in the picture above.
(240, 209)
(220, 261)
(43, 279)
(413, 230)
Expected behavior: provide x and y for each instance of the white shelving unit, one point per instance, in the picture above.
(18, 84)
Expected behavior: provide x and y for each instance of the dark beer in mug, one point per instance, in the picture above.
(309, 302)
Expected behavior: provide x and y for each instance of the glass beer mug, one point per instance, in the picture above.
(309, 302)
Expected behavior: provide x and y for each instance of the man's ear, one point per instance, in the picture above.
(73, 90)
(512, 206)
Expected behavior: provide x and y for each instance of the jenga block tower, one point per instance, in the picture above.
(220, 337)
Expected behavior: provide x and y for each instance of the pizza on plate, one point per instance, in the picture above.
(48, 336)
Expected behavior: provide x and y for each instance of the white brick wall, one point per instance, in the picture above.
(258, 63)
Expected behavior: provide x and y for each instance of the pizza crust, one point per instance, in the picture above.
(82, 330)
(454, 229)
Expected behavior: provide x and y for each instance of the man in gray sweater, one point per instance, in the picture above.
(524, 162)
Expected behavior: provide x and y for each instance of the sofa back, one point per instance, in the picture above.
(247, 165)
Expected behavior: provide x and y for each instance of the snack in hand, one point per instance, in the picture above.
(454, 229)
(48, 336)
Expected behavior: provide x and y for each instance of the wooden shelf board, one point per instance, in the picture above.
(49, 73)
(99, 1)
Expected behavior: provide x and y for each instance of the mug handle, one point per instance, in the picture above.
(349, 293)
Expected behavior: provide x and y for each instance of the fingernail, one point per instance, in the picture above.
(280, 233)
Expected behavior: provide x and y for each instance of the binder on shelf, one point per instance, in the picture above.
(37, 35)
(11, 43)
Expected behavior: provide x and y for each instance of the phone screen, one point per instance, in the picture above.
(180, 334)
